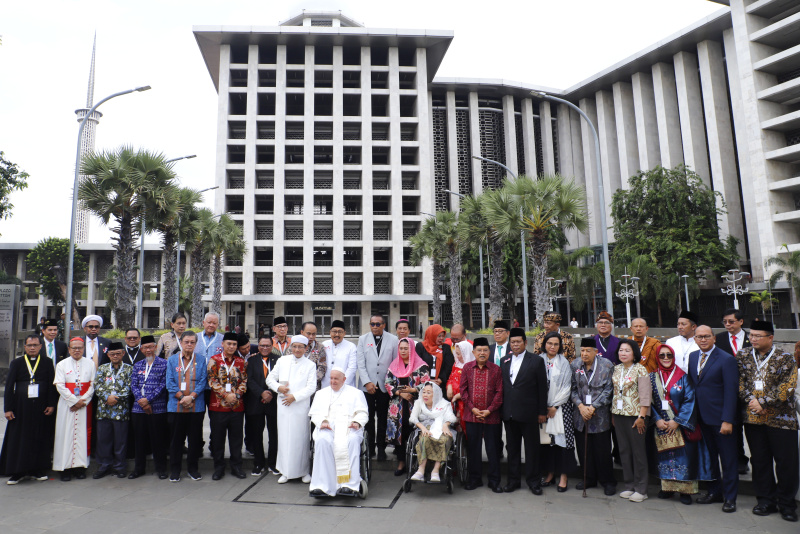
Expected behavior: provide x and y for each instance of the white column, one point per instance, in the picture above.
(510, 127)
(690, 108)
(589, 107)
(279, 173)
(546, 128)
(644, 105)
(529, 137)
(452, 149)
(626, 131)
(722, 154)
(667, 114)
(475, 142)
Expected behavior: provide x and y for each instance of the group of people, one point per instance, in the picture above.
(677, 409)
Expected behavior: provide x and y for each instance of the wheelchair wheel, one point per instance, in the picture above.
(450, 485)
(366, 463)
(461, 459)
(407, 485)
(363, 490)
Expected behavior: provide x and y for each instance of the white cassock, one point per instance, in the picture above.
(344, 355)
(294, 436)
(683, 348)
(337, 451)
(72, 428)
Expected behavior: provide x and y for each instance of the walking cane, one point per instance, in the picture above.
(585, 451)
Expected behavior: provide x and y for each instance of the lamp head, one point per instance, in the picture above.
(143, 88)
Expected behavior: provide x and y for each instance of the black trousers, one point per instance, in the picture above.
(599, 463)
(151, 431)
(778, 445)
(232, 425)
(254, 427)
(112, 444)
(722, 449)
(479, 435)
(182, 426)
(378, 404)
(516, 432)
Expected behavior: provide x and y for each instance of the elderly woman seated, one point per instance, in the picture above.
(433, 415)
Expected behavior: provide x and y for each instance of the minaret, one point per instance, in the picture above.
(87, 144)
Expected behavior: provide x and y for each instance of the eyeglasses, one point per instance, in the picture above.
(757, 336)
(666, 356)
(92, 326)
(706, 337)
(76, 348)
(499, 330)
(376, 324)
(132, 338)
(603, 322)
(729, 321)
(337, 331)
(33, 345)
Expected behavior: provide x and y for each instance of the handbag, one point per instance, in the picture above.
(695, 435)
(544, 437)
(667, 442)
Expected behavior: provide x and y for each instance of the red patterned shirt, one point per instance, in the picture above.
(482, 389)
(218, 379)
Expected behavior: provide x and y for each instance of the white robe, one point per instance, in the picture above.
(344, 355)
(340, 409)
(71, 427)
(683, 348)
(294, 436)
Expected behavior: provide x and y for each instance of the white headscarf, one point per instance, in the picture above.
(439, 410)
(92, 318)
(466, 353)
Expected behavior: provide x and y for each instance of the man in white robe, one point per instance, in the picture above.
(340, 353)
(339, 413)
(294, 379)
(75, 384)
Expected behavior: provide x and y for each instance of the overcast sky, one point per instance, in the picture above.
(46, 51)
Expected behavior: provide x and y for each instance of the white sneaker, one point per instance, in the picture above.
(637, 497)
(306, 479)
(283, 480)
(419, 476)
(626, 494)
(435, 478)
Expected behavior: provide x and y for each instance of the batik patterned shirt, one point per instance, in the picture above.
(632, 388)
(109, 381)
(219, 378)
(152, 385)
(779, 377)
(567, 344)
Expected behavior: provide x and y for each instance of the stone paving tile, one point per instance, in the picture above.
(508, 521)
(45, 516)
(575, 523)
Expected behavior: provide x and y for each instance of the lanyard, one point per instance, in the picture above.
(282, 346)
(600, 340)
(205, 343)
(669, 378)
(184, 369)
(265, 363)
(228, 368)
(586, 374)
(147, 369)
(624, 379)
(115, 375)
(759, 366)
(32, 371)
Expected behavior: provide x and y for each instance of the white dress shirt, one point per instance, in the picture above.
(88, 352)
(516, 363)
(682, 347)
(495, 357)
(739, 341)
(344, 355)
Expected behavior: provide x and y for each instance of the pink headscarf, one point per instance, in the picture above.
(401, 370)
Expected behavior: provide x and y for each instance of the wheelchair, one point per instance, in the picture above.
(365, 465)
(454, 466)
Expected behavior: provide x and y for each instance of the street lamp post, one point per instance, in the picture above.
(686, 289)
(480, 260)
(600, 190)
(552, 284)
(522, 242)
(141, 255)
(629, 290)
(72, 226)
(734, 288)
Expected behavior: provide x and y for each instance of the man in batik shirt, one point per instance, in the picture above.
(149, 390)
(552, 323)
(112, 387)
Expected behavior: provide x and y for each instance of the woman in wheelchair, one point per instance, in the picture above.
(433, 415)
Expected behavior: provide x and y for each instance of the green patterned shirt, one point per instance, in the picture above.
(110, 381)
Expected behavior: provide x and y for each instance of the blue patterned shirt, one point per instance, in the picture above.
(154, 388)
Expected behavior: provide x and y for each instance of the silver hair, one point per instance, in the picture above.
(211, 314)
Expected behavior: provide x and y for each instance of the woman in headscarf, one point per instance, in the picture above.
(169, 343)
(433, 415)
(681, 455)
(462, 352)
(405, 377)
(437, 355)
(559, 457)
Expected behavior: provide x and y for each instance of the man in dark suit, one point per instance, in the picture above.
(52, 347)
(260, 407)
(133, 352)
(714, 374)
(732, 341)
(524, 408)
(500, 332)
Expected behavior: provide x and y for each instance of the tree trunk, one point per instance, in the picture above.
(495, 283)
(216, 303)
(541, 293)
(197, 286)
(455, 293)
(168, 287)
(660, 321)
(569, 310)
(125, 252)
(437, 304)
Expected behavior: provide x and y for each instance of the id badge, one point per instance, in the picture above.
(619, 405)
(664, 405)
(433, 372)
(33, 391)
(588, 399)
(77, 391)
(759, 385)
(183, 386)
(227, 388)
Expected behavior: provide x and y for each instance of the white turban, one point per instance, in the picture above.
(300, 339)
(92, 318)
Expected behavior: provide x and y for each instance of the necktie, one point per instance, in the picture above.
(50, 350)
(499, 354)
(733, 343)
(94, 353)
(702, 363)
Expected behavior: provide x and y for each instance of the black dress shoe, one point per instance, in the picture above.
(665, 494)
(134, 475)
(579, 485)
(317, 493)
(545, 483)
(686, 499)
(398, 472)
(217, 475)
(496, 488)
(80, 474)
(66, 476)
(709, 498)
(764, 509)
(789, 515)
(537, 490)
(99, 474)
(729, 507)
(238, 473)
(347, 492)
(121, 474)
(163, 476)
(609, 490)
(561, 489)
(510, 488)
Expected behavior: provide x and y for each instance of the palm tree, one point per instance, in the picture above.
(171, 223)
(567, 266)
(764, 299)
(474, 227)
(789, 268)
(185, 300)
(118, 187)
(225, 240)
(549, 205)
(200, 225)
(422, 246)
(108, 289)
